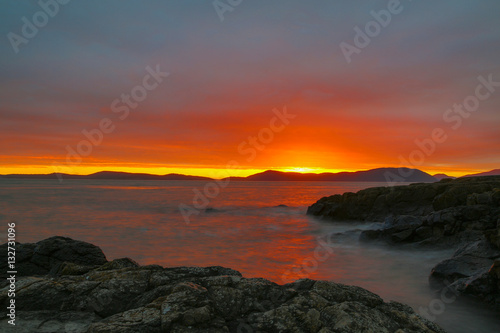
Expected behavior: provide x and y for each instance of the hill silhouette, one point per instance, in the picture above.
(108, 175)
(374, 175)
(495, 172)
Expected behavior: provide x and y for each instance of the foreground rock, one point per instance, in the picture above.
(47, 255)
(463, 213)
(474, 270)
(121, 296)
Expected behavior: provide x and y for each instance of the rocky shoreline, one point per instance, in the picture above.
(463, 213)
(64, 285)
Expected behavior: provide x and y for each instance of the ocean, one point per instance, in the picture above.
(258, 228)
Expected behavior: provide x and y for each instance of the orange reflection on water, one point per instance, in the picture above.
(257, 247)
(258, 228)
(124, 187)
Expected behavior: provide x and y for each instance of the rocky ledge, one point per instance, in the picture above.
(65, 285)
(463, 213)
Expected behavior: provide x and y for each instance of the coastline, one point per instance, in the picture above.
(68, 285)
(462, 213)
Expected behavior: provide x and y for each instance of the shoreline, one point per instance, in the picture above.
(67, 283)
(462, 213)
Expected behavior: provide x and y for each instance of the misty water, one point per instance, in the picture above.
(257, 228)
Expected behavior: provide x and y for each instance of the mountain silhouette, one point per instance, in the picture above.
(374, 175)
(495, 172)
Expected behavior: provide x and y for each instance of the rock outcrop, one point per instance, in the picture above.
(468, 199)
(474, 270)
(48, 255)
(463, 212)
(121, 296)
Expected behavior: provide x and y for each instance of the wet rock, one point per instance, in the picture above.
(370, 235)
(135, 320)
(397, 229)
(493, 235)
(210, 210)
(53, 321)
(403, 222)
(69, 268)
(480, 249)
(473, 270)
(485, 285)
(424, 232)
(118, 264)
(42, 257)
(469, 260)
(402, 236)
(460, 267)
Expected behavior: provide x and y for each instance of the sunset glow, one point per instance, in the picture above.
(264, 89)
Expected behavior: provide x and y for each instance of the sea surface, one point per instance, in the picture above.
(258, 228)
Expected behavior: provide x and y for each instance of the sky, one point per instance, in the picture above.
(237, 86)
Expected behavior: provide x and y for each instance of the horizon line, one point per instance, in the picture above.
(252, 172)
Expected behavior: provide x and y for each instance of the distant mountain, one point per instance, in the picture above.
(109, 175)
(495, 172)
(440, 176)
(37, 176)
(374, 175)
(121, 175)
(142, 176)
(177, 176)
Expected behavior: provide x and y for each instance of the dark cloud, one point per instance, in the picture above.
(227, 76)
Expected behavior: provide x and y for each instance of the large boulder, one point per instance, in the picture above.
(473, 270)
(47, 255)
(399, 229)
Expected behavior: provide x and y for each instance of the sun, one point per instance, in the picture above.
(300, 169)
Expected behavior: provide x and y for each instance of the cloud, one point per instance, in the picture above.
(226, 77)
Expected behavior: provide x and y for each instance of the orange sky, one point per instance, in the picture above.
(225, 79)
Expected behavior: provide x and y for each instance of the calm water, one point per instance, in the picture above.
(258, 228)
